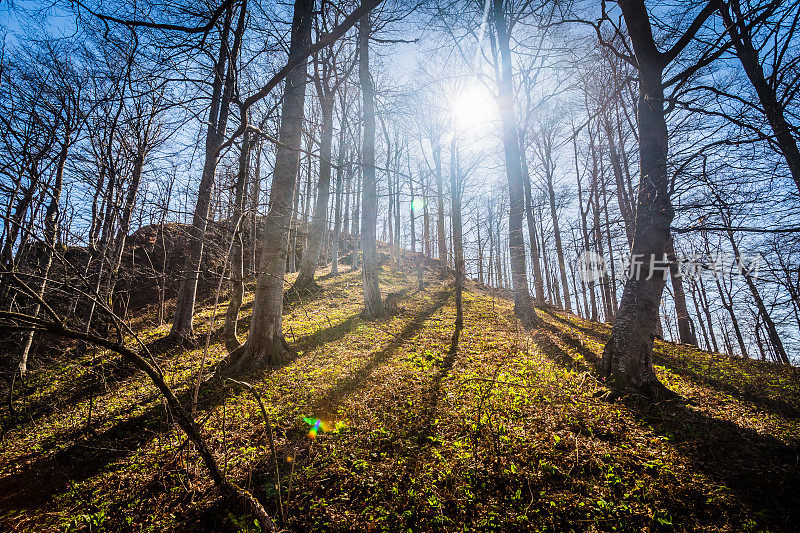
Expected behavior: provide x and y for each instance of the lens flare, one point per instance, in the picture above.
(418, 204)
(325, 426)
(315, 425)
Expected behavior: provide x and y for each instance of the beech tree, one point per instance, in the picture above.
(373, 304)
(265, 343)
(627, 357)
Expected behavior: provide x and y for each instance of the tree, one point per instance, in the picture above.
(523, 303)
(373, 305)
(221, 93)
(265, 343)
(741, 27)
(627, 357)
(330, 71)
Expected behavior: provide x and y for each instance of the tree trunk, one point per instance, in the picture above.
(305, 279)
(182, 327)
(538, 283)
(265, 344)
(51, 221)
(237, 256)
(589, 286)
(523, 303)
(562, 268)
(628, 356)
(707, 310)
(124, 224)
(773, 109)
(625, 207)
(373, 305)
(772, 331)
(458, 244)
(437, 162)
(612, 278)
(340, 177)
(685, 333)
(728, 305)
(700, 320)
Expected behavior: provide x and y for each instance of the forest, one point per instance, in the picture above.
(399, 265)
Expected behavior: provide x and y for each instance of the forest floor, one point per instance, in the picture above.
(512, 432)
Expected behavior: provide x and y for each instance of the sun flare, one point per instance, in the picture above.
(473, 108)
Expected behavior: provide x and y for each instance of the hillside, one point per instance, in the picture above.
(513, 432)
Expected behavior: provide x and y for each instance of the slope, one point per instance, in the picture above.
(378, 428)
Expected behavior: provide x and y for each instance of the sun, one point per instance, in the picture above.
(473, 108)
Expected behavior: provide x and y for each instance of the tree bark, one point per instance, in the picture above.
(538, 283)
(437, 162)
(340, 177)
(547, 161)
(458, 243)
(373, 305)
(308, 266)
(767, 96)
(628, 356)
(182, 326)
(229, 334)
(685, 333)
(51, 221)
(523, 303)
(707, 310)
(772, 331)
(265, 344)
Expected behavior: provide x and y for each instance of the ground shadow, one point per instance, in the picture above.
(92, 452)
(760, 470)
(426, 428)
(680, 367)
(333, 332)
(329, 401)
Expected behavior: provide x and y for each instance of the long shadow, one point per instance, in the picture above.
(544, 338)
(104, 377)
(96, 381)
(87, 457)
(597, 332)
(329, 401)
(212, 519)
(322, 336)
(776, 405)
(760, 470)
(680, 366)
(426, 429)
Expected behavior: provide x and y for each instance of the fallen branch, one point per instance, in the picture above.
(230, 490)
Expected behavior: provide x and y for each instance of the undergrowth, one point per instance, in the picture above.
(379, 428)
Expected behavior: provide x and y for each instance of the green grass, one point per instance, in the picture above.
(510, 433)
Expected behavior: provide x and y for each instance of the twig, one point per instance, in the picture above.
(270, 437)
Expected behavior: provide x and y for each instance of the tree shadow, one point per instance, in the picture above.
(545, 336)
(426, 428)
(98, 380)
(680, 366)
(327, 404)
(53, 474)
(760, 470)
(333, 332)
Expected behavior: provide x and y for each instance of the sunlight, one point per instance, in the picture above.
(473, 108)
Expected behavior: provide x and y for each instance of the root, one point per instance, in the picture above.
(301, 289)
(528, 317)
(244, 361)
(173, 341)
